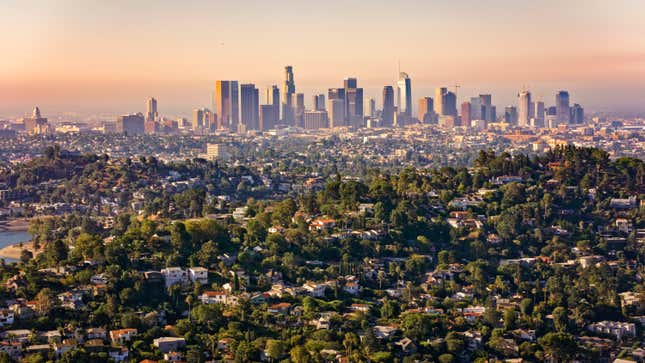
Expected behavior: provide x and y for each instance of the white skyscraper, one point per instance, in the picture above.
(524, 108)
(404, 94)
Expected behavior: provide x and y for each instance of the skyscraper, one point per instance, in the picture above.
(319, 102)
(273, 98)
(489, 111)
(538, 114)
(227, 104)
(562, 107)
(298, 107)
(371, 104)
(198, 119)
(250, 105)
(354, 106)
(466, 111)
(510, 115)
(404, 95)
(353, 102)
(445, 102)
(577, 114)
(388, 106)
(450, 106)
(288, 111)
(426, 106)
(336, 112)
(335, 119)
(151, 109)
(524, 108)
(267, 117)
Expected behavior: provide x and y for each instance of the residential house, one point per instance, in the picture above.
(122, 335)
(616, 328)
(167, 344)
(198, 274)
(174, 275)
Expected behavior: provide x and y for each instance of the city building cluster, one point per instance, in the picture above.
(239, 108)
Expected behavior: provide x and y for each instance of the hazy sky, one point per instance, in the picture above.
(109, 55)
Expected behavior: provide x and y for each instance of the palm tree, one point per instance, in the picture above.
(380, 276)
(189, 301)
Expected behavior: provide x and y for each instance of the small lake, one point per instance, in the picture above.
(8, 238)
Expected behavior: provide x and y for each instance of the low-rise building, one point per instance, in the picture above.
(167, 344)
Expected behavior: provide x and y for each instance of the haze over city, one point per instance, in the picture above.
(107, 57)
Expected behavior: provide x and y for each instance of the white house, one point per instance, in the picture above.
(314, 289)
(198, 274)
(615, 328)
(218, 297)
(174, 275)
(167, 344)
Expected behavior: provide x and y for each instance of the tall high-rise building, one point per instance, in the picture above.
(524, 108)
(226, 104)
(210, 120)
(319, 102)
(198, 119)
(439, 101)
(510, 115)
(562, 107)
(466, 111)
(298, 107)
(404, 95)
(388, 107)
(426, 107)
(336, 112)
(353, 102)
(288, 111)
(250, 106)
(481, 108)
(267, 117)
(538, 114)
(371, 110)
(336, 120)
(273, 98)
(490, 111)
(133, 124)
(354, 106)
(350, 83)
(445, 102)
(577, 114)
(450, 106)
(151, 109)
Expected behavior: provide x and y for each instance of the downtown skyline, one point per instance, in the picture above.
(94, 57)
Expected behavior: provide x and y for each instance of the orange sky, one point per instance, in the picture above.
(108, 56)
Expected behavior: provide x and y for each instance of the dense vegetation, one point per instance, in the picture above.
(417, 272)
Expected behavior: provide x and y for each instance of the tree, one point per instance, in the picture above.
(561, 347)
(510, 318)
(446, 358)
(350, 342)
(56, 252)
(275, 349)
(25, 256)
(44, 301)
(299, 354)
(560, 319)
